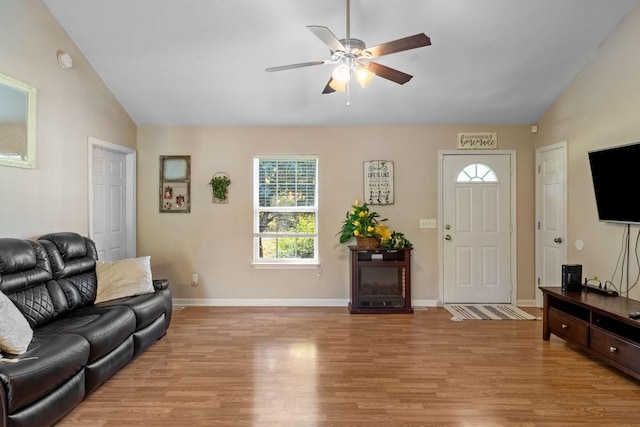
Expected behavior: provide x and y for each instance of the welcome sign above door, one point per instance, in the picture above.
(477, 141)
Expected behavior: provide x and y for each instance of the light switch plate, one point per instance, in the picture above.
(428, 223)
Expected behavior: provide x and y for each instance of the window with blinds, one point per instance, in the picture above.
(285, 210)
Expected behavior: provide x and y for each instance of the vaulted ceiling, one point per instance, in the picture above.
(202, 62)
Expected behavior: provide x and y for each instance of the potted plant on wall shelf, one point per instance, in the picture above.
(220, 187)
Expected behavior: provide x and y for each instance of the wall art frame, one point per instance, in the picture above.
(175, 184)
(378, 182)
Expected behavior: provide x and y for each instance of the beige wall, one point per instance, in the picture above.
(72, 105)
(215, 240)
(601, 108)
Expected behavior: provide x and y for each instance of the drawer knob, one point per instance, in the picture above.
(613, 349)
(565, 326)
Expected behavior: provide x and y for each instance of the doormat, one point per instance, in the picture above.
(487, 312)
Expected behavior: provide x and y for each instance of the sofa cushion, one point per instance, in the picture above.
(52, 407)
(36, 305)
(15, 332)
(73, 260)
(57, 361)
(147, 307)
(105, 328)
(25, 271)
(123, 278)
(23, 263)
(70, 253)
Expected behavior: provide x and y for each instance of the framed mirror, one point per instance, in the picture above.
(17, 123)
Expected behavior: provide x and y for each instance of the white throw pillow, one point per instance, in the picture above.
(15, 332)
(124, 278)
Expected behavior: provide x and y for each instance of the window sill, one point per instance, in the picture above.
(285, 266)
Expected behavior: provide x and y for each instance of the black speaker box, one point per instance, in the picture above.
(571, 277)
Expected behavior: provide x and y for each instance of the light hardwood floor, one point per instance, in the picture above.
(325, 367)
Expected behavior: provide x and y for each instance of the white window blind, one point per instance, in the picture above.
(285, 210)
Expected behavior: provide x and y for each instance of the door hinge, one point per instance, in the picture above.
(538, 281)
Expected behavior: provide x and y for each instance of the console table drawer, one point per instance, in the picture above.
(596, 323)
(615, 348)
(568, 327)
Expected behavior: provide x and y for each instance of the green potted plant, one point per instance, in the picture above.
(364, 225)
(396, 240)
(220, 187)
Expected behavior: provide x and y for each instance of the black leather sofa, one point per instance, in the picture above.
(78, 344)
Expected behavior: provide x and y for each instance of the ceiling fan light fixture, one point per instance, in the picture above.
(337, 86)
(364, 76)
(351, 56)
(341, 74)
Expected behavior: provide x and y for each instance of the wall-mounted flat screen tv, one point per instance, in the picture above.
(616, 182)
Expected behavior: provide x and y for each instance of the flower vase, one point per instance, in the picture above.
(367, 242)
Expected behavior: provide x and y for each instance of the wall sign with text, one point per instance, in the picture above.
(478, 141)
(378, 182)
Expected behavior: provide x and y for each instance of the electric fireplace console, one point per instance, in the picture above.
(380, 280)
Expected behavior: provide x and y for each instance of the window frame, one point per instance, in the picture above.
(490, 174)
(257, 209)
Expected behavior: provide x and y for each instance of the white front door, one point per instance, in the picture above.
(112, 200)
(477, 228)
(551, 247)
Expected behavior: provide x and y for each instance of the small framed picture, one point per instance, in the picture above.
(175, 184)
(168, 192)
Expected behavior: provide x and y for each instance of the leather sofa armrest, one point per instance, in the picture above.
(160, 284)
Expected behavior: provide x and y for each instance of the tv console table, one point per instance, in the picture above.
(598, 324)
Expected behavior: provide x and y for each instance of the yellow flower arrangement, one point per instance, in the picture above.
(361, 222)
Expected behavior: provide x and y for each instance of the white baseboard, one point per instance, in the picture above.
(287, 302)
(526, 303)
(418, 303)
(259, 302)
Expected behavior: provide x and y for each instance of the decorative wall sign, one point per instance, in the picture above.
(477, 141)
(175, 184)
(378, 182)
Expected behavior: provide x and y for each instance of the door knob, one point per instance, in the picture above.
(447, 237)
(558, 240)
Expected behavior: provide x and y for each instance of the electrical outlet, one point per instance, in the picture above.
(194, 280)
(428, 223)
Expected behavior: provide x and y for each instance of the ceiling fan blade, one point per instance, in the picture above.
(300, 65)
(325, 34)
(328, 88)
(389, 73)
(406, 43)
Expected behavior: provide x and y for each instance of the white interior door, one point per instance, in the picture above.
(112, 196)
(477, 227)
(551, 248)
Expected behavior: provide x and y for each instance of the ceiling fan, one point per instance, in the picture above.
(351, 57)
